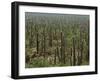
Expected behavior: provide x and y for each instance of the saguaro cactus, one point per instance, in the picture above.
(62, 49)
(55, 56)
(71, 57)
(50, 36)
(37, 40)
(74, 59)
(81, 48)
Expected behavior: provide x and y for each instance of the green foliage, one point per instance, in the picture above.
(53, 40)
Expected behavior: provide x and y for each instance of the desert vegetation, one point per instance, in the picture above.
(53, 40)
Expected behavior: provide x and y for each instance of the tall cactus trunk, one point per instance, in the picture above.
(88, 47)
(58, 54)
(74, 59)
(57, 47)
(62, 49)
(88, 44)
(30, 40)
(50, 37)
(81, 47)
(37, 40)
(78, 53)
(81, 56)
(44, 44)
(56, 50)
(55, 56)
(71, 61)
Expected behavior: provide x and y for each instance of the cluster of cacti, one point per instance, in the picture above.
(56, 40)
